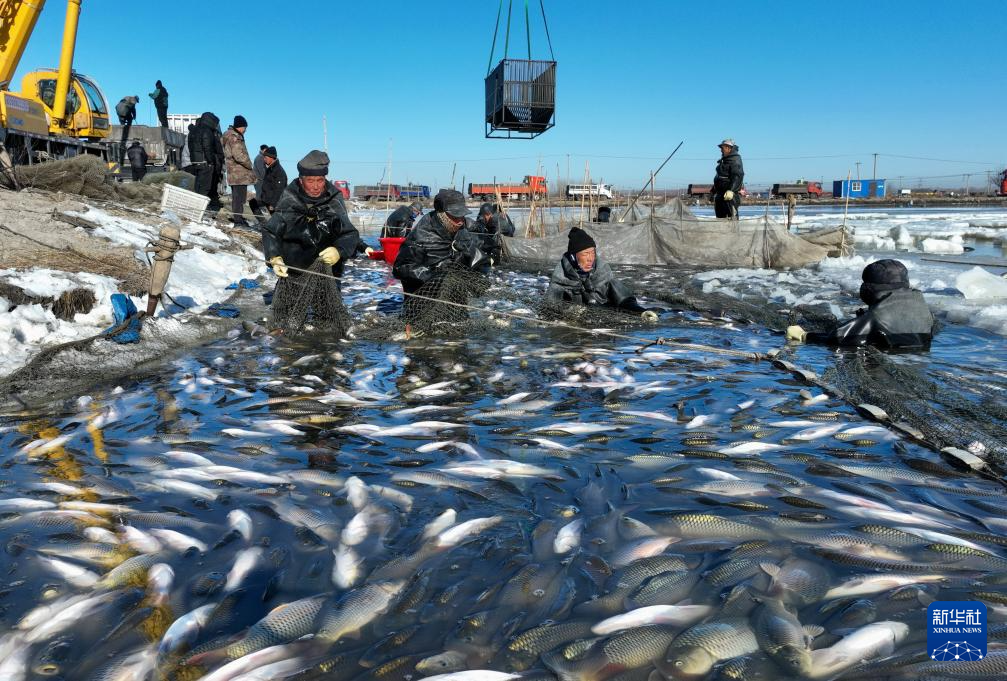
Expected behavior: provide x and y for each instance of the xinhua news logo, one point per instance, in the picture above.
(956, 631)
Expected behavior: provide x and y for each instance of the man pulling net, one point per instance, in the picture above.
(442, 259)
(309, 230)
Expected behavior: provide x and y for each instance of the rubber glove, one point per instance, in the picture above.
(368, 251)
(330, 256)
(796, 333)
(492, 262)
(278, 267)
(649, 316)
(729, 195)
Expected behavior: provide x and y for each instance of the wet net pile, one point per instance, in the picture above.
(964, 409)
(305, 301)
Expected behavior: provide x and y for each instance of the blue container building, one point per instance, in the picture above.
(858, 189)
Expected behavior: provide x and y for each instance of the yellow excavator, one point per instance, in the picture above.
(58, 112)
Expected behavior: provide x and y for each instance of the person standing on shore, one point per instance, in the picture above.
(160, 97)
(240, 172)
(728, 181)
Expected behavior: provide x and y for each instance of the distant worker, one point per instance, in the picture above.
(218, 169)
(160, 97)
(582, 278)
(728, 181)
(126, 111)
(203, 152)
(492, 224)
(310, 222)
(791, 209)
(604, 214)
(137, 161)
(897, 316)
(401, 220)
(273, 183)
(240, 172)
(259, 164)
(440, 239)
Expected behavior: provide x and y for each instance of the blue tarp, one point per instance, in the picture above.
(123, 309)
(222, 310)
(244, 283)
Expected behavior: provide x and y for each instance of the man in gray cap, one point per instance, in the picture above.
(728, 181)
(310, 222)
(401, 220)
(440, 239)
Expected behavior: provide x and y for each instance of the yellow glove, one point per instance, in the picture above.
(368, 251)
(649, 316)
(278, 267)
(729, 195)
(796, 333)
(330, 256)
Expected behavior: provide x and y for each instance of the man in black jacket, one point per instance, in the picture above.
(897, 316)
(401, 220)
(160, 97)
(441, 238)
(272, 185)
(728, 181)
(582, 278)
(492, 225)
(310, 222)
(137, 161)
(126, 111)
(203, 155)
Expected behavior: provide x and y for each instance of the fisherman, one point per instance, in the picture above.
(728, 181)
(896, 317)
(581, 277)
(493, 224)
(310, 222)
(202, 152)
(401, 220)
(240, 172)
(441, 242)
(160, 97)
(273, 182)
(126, 111)
(137, 161)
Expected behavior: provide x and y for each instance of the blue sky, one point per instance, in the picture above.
(807, 89)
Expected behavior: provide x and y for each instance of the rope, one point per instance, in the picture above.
(546, 22)
(493, 46)
(510, 7)
(527, 27)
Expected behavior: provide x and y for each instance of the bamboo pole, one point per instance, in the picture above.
(642, 191)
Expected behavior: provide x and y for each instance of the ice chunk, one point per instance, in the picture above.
(901, 236)
(952, 246)
(977, 283)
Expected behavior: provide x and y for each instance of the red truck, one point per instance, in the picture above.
(1003, 184)
(533, 186)
(343, 187)
(802, 189)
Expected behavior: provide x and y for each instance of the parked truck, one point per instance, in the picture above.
(368, 192)
(532, 187)
(415, 191)
(577, 190)
(1003, 184)
(343, 187)
(699, 190)
(163, 146)
(804, 190)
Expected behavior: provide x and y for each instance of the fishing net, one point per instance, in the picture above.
(961, 408)
(303, 301)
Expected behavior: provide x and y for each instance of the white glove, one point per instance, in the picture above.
(796, 333)
(368, 251)
(491, 262)
(330, 256)
(649, 316)
(278, 267)
(729, 195)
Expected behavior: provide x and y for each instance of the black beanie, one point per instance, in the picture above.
(579, 241)
(887, 273)
(270, 152)
(240, 122)
(315, 164)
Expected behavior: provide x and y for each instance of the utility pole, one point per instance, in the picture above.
(967, 177)
(874, 176)
(858, 171)
(325, 134)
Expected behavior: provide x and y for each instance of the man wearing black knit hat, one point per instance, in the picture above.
(896, 317)
(581, 277)
(310, 223)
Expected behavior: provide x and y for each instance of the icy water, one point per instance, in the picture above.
(537, 502)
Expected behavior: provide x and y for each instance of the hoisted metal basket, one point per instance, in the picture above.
(520, 99)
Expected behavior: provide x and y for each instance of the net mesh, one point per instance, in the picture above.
(304, 302)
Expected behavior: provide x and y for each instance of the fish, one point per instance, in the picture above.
(874, 640)
(673, 615)
(356, 609)
(866, 585)
(633, 649)
(782, 637)
(694, 652)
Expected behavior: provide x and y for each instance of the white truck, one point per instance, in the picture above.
(578, 190)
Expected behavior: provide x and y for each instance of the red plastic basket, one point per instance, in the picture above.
(390, 245)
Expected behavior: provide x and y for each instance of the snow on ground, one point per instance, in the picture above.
(199, 277)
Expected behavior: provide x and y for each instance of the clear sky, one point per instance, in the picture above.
(807, 89)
